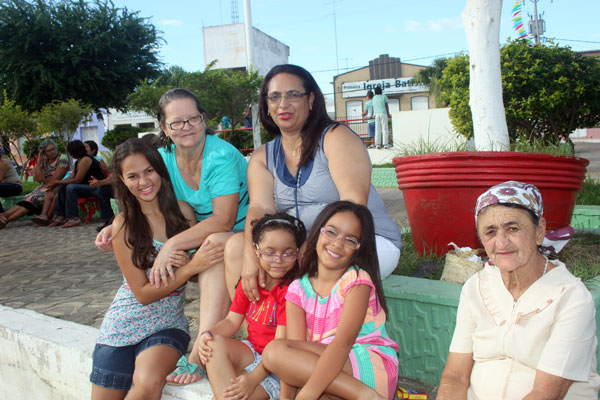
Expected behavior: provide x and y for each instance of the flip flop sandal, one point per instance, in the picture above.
(71, 222)
(190, 368)
(58, 221)
(40, 220)
(3, 222)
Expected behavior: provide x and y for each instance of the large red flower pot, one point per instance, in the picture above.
(440, 191)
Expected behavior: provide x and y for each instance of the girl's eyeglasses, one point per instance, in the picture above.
(331, 236)
(270, 257)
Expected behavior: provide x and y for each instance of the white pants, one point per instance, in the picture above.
(387, 254)
(381, 123)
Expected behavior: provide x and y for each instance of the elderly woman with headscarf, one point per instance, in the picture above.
(525, 327)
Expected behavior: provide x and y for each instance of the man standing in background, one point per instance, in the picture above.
(381, 111)
(368, 114)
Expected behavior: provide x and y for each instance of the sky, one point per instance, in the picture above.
(356, 31)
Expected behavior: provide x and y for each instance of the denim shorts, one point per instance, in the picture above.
(113, 367)
(271, 382)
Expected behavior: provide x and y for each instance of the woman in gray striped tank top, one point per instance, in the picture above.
(312, 162)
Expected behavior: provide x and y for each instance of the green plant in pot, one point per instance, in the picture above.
(542, 94)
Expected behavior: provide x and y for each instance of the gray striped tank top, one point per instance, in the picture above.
(307, 193)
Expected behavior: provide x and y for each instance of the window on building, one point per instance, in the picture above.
(394, 105)
(354, 109)
(419, 103)
(89, 133)
(146, 125)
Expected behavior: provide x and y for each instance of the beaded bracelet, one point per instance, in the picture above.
(209, 332)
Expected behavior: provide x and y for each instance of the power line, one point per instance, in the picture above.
(393, 62)
(575, 40)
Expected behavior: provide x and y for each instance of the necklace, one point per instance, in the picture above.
(295, 151)
(545, 266)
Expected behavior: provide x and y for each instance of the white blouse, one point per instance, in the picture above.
(551, 327)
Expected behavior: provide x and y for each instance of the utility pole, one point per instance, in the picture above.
(249, 50)
(537, 26)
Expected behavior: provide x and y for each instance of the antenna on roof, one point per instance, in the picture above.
(235, 14)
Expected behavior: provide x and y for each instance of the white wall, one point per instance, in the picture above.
(227, 45)
(48, 358)
(416, 129)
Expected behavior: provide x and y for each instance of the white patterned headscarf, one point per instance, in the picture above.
(529, 197)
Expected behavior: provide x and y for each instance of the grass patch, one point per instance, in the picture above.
(28, 186)
(581, 256)
(590, 194)
(410, 261)
(524, 145)
(386, 165)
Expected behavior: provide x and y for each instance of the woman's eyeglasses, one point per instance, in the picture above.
(331, 236)
(292, 96)
(178, 125)
(285, 257)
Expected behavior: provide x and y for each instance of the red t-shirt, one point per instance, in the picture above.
(262, 317)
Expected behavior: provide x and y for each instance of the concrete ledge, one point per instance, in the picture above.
(384, 177)
(48, 358)
(586, 217)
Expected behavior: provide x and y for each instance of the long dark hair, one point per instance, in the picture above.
(366, 255)
(138, 234)
(317, 120)
(280, 221)
(169, 96)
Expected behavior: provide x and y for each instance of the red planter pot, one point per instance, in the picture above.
(440, 191)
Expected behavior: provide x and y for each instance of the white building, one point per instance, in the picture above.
(227, 45)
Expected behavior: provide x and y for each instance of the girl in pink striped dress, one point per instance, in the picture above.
(337, 343)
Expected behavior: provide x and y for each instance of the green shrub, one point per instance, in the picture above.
(119, 134)
(590, 194)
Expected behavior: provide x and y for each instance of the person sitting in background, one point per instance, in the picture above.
(525, 327)
(10, 182)
(103, 185)
(92, 149)
(50, 167)
(86, 168)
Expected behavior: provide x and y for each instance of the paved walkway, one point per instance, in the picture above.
(60, 273)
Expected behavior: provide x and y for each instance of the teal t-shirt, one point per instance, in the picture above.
(223, 172)
(379, 102)
(369, 109)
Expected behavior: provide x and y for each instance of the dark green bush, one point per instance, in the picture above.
(119, 134)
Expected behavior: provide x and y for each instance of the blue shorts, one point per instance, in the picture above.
(271, 382)
(112, 367)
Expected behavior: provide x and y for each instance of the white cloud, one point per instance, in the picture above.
(440, 25)
(174, 22)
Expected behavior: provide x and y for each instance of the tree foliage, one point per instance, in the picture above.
(431, 76)
(74, 49)
(549, 91)
(119, 134)
(63, 118)
(14, 121)
(223, 93)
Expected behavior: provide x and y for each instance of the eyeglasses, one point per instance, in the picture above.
(292, 96)
(331, 236)
(285, 257)
(193, 121)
